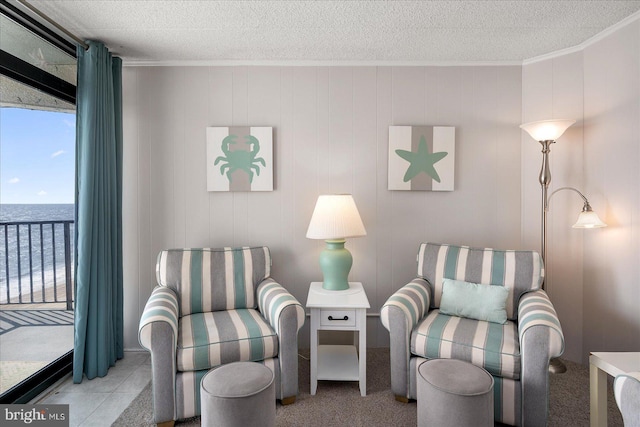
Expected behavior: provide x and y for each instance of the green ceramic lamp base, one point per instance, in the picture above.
(335, 263)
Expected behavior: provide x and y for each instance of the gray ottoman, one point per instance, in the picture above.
(454, 393)
(238, 394)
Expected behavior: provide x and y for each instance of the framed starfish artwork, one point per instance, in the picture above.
(239, 158)
(422, 158)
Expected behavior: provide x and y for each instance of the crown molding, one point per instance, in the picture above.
(297, 63)
(582, 46)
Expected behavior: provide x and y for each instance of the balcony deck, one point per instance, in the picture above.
(32, 336)
(36, 296)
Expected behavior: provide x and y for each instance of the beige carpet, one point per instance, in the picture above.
(340, 403)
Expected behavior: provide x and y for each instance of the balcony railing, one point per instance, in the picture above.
(36, 260)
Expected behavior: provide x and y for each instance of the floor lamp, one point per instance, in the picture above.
(546, 132)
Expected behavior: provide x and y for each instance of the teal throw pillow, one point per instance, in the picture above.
(474, 301)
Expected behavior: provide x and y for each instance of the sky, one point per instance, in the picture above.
(37, 156)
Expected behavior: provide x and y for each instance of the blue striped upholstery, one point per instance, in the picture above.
(213, 279)
(210, 339)
(211, 307)
(492, 346)
(507, 401)
(412, 299)
(519, 271)
(188, 387)
(162, 306)
(536, 310)
(273, 299)
(517, 353)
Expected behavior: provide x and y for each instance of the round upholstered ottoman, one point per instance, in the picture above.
(454, 393)
(238, 394)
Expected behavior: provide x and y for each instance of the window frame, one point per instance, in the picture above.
(30, 75)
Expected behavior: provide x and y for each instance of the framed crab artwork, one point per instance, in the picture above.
(239, 158)
(422, 158)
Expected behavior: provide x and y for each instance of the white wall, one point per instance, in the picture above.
(593, 276)
(331, 135)
(612, 175)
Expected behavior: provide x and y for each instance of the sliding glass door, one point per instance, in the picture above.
(37, 208)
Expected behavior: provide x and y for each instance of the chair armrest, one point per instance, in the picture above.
(400, 314)
(274, 300)
(158, 333)
(536, 312)
(626, 389)
(162, 306)
(412, 300)
(286, 316)
(541, 339)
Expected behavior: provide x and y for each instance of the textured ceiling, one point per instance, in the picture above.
(336, 31)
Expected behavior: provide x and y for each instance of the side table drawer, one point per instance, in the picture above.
(337, 317)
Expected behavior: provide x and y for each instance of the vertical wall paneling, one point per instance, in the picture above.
(612, 177)
(481, 85)
(263, 208)
(198, 114)
(135, 293)
(162, 184)
(309, 148)
(339, 156)
(146, 120)
(331, 135)
(220, 99)
(365, 166)
(284, 149)
(176, 152)
(508, 145)
(384, 284)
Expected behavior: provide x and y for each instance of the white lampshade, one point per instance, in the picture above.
(335, 217)
(589, 219)
(547, 130)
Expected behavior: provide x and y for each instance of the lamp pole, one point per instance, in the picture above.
(545, 180)
(555, 365)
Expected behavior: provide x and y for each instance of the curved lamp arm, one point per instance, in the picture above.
(587, 219)
(585, 208)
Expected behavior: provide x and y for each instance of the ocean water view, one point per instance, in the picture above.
(32, 255)
(39, 212)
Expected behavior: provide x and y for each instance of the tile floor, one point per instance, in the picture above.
(99, 402)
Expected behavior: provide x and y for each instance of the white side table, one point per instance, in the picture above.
(338, 311)
(601, 364)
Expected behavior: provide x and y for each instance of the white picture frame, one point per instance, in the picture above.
(239, 158)
(421, 158)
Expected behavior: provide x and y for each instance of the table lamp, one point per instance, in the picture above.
(335, 218)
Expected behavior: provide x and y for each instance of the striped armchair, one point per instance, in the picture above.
(516, 353)
(626, 389)
(211, 307)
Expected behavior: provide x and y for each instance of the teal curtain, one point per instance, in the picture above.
(98, 336)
